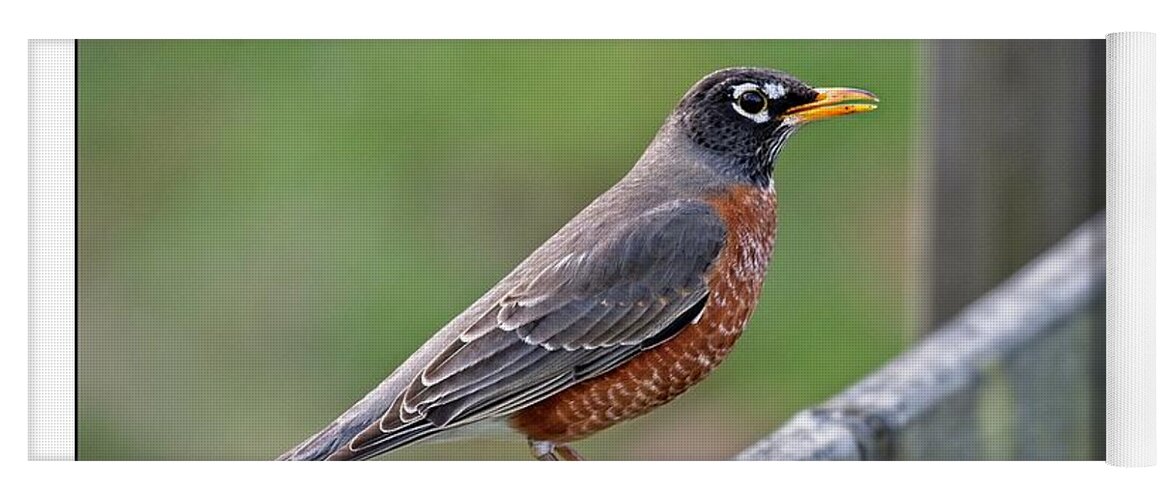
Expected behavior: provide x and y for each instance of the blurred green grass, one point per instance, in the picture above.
(267, 228)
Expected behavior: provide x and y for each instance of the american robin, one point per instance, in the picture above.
(635, 300)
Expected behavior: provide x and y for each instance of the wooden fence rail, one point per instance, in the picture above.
(1012, 376)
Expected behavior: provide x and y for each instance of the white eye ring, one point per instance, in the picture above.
(739, 90)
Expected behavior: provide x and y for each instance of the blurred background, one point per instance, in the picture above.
(268, 228)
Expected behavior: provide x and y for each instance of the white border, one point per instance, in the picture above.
(508, 18)
(1130, 256)
(51, 250)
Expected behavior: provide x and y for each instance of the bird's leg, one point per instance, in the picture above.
(542, 450)
(564, 452)
(548, 450)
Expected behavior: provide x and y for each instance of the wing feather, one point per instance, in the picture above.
(583, 315)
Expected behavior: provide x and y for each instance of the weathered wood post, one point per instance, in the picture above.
(1018, 156)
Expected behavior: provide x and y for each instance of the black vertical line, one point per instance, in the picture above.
(76, 257)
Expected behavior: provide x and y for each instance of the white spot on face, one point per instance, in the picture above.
(774, 90)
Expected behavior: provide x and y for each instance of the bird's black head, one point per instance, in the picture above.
(745, 115)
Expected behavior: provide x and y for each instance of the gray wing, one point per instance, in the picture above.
(584, 314)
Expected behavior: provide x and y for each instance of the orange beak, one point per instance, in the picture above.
(829, 103)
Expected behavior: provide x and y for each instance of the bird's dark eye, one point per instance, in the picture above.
(752, 102)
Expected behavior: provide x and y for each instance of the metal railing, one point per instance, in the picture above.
(1016, 375)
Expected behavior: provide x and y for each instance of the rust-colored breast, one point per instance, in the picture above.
(657, 376)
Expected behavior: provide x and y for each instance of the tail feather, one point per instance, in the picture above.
(411, 434)
(320, 446)
(351, 438)
(336, 436)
